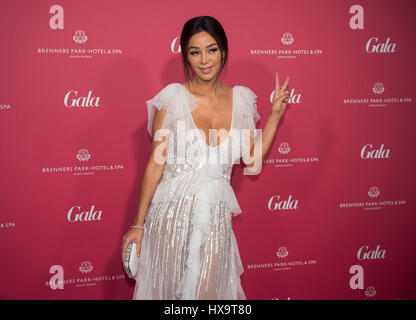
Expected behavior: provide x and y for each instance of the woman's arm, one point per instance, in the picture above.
(154, 169)
(152, 175)
(258, 149)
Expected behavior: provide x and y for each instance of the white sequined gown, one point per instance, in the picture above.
(189, 250)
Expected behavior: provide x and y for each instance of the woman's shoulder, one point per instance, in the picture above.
(244, 89)
(175, 99)
(167, 92)
(170, 87)
(246, 94)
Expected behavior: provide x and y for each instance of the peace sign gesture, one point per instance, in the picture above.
(281, 96)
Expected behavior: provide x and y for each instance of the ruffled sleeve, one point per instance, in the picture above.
(174, 99)
(160, 101)
(248, 114)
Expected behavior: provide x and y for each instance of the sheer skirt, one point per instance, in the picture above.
(164, 254)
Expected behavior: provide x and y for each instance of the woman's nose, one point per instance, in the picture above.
(204, 57)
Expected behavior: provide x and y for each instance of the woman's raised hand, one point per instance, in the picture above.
(281, 96)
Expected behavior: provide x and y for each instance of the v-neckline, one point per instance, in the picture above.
(199, 133)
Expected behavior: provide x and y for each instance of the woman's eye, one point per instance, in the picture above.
(193, 53)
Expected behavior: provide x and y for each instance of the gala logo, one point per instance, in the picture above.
(75, 214)
(289, 204)
(365, 254)
(373, 46)
(294, 98)
(175, 46)
(72, 100)
(367, 152)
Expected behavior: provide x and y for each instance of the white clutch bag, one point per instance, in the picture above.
(131, 261)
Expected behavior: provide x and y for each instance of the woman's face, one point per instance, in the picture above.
(204, 55)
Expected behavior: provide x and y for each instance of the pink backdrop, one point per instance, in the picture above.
(336, 189)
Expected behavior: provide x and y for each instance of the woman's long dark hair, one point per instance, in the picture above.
(209, 25)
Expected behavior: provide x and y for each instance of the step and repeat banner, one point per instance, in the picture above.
(330, 216)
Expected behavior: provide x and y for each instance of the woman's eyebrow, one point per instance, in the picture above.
(210, 45)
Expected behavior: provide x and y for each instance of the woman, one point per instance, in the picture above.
(185, 242)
